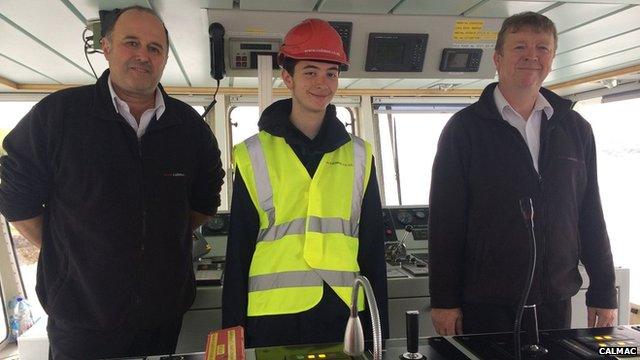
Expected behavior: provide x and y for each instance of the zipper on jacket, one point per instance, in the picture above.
(144, 216)
(544, 147)
(540, 181)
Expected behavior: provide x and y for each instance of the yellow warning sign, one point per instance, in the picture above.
(473, 30)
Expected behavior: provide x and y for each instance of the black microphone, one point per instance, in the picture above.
(216, 44)
(216, 47)
(532, 345)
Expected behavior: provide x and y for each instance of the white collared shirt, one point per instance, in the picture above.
(122, 108)
(530, 128)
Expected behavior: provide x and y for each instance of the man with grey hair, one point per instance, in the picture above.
(110, 180)
(518, 141)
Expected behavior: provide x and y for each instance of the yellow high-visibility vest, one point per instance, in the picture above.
(308, 226)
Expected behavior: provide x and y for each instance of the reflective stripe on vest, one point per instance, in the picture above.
(259, 164)
(301, 278)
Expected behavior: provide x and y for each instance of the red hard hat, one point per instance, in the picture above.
(313, 39)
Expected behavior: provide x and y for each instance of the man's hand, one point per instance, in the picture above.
(599, 317)
(447, 321)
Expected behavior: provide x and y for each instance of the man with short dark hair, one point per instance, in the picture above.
(306, 215)
(110, 180)
(518, 141)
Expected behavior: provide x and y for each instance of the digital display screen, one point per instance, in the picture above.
(390, 53)
(457, 60)
(255, 46)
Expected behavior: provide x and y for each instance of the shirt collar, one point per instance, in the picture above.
(542, 104)
(119, 104)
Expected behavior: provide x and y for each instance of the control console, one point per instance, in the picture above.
(406, 231)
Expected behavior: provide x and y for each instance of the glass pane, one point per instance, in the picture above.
(27, 253)
(344, 115)
(244, 123)
(618, 152)
(416, 137)
(199, 109)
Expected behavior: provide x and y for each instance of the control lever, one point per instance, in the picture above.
(413, 331)
(397, 251)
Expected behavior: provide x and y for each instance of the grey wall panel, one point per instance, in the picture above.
(439, 28)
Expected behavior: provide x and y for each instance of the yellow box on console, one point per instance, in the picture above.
(225, 344)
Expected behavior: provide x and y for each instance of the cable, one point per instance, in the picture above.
(213, 102)
(526, 207)
(85, 40)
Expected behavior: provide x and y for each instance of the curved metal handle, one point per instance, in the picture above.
(353, 335)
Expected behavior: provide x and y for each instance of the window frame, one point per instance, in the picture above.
(384, 109)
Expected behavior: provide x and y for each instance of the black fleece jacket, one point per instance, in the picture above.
(478, 239)
(326, 321)
(116, 241)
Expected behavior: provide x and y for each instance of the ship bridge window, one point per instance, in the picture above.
(244, 121)
(26, 252)
(616, 127)
(408, 139)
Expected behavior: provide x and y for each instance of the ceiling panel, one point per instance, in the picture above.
(421, 7)
(188, 27)
(86, 7)
(25, 50)
(567, 16)
(411, 83)
(637, 2)
(58, 34)
(500, 8)
(278, 5)
(358, 6)
(601, 29)
(603, 64)
(599, 49)
(20, 74)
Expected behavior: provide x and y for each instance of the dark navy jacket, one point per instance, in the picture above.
(478, 239)
(116, 240)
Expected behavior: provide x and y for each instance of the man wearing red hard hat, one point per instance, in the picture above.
(305, 215)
